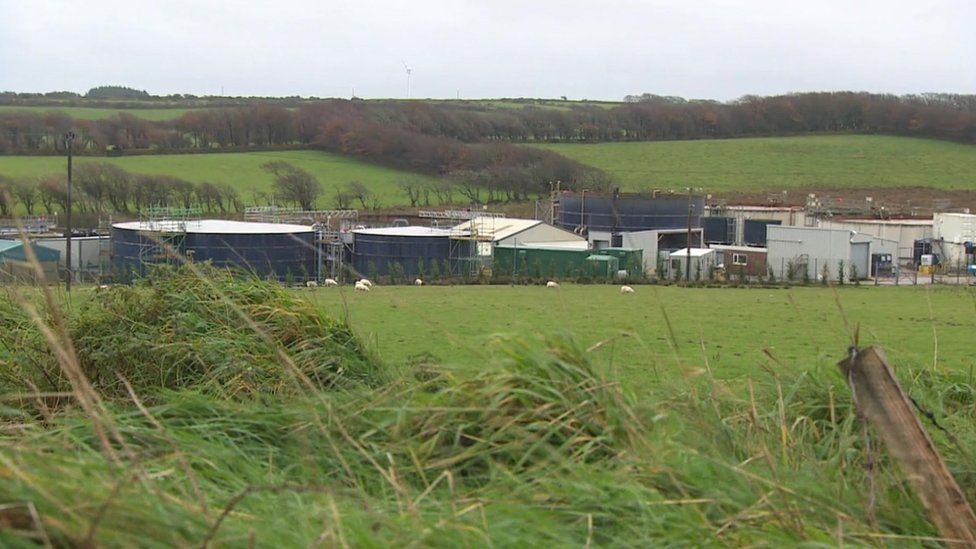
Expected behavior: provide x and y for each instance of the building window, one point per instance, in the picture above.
(739, 259)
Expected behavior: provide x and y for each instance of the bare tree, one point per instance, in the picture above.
(360, 192)
(53, 191)
(294, 184)
(7, 199)
(411, 188)
(26, 192)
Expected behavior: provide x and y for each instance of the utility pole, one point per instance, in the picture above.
(68, 142)
(688, 240)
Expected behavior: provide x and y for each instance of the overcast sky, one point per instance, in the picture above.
(582, 49)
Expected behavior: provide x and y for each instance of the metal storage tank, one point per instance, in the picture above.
(627, 213)
(375, 251)
(273, 250)
(754, 231)
(719, 230)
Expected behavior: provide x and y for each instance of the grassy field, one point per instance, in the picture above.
(96, 113)
(730, 330)
(681, 416)
(783, 163)
(242, 170)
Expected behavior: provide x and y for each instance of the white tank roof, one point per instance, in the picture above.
(213, 226)
(404, 231)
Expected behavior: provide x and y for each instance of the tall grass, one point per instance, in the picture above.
(533, 447)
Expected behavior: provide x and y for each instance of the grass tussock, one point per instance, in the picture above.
(214, 333)
(535, 446)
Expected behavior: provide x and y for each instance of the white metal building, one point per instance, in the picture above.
(523, 233)
(820, 252)
(950, 233)
(701, 261)
(655, 244)
(903, 231)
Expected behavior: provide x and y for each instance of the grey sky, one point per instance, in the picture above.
(503, 48)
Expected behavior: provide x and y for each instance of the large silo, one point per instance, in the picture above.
(268, 250)
(376, 251)
(621, 213)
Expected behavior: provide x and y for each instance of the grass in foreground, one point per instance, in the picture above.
(241, 170)
(783, 163)
(534, 443)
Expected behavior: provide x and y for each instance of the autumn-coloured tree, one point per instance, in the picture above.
(293, 184)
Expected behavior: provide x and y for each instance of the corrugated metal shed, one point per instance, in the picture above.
(562, 263)
(13, 258)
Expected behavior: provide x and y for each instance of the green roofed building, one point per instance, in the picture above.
(562, 263)
(14, 266)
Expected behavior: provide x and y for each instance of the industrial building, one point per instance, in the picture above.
(565, 263)
(953, 238)
(745, 225)
(272, 250)
(620, 213)
(410, 251)
(14, 264)
(741, 260)
(506, 231)
(699, 262)
(90, 255)
(793, 251)
(656, 244)
(905, 232)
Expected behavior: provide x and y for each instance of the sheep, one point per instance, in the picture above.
(418, 282)
(101, 287)
(331, 282)
(360, 287)
(626, 290)
(552, 284)
(365, 282)
(311, 284)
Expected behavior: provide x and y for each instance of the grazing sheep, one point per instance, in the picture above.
(102, 287)
(418, 282)
(312, 284)
(552, 284)
(626, 290)
(331, 282)
(360, 287)
(365, 282)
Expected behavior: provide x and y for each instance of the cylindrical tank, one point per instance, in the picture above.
(628, 213)
(267, 250)
(384, 251)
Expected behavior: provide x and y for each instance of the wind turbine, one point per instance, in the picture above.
(409, 70)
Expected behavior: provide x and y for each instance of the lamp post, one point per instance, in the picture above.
(68, 142)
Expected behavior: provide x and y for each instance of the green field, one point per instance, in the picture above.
(242, 170)
(781, 163)
(96, 113)
(680, 416)
(802, 327)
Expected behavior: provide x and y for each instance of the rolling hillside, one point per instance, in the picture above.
(242, 170)
(780, 163)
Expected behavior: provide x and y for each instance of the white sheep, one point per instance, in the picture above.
(311, 284)
(552, 284)
(331, 282)
(418, 282)
(360, 287)
(365, 282)
(626, 290)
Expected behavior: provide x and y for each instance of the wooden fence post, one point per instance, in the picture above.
(887, 408)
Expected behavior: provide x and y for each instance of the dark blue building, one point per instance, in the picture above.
(268, 250)
(616, 213)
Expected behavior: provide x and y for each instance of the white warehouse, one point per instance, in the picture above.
(819, 252)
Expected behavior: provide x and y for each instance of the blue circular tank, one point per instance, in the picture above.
(267, 250)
